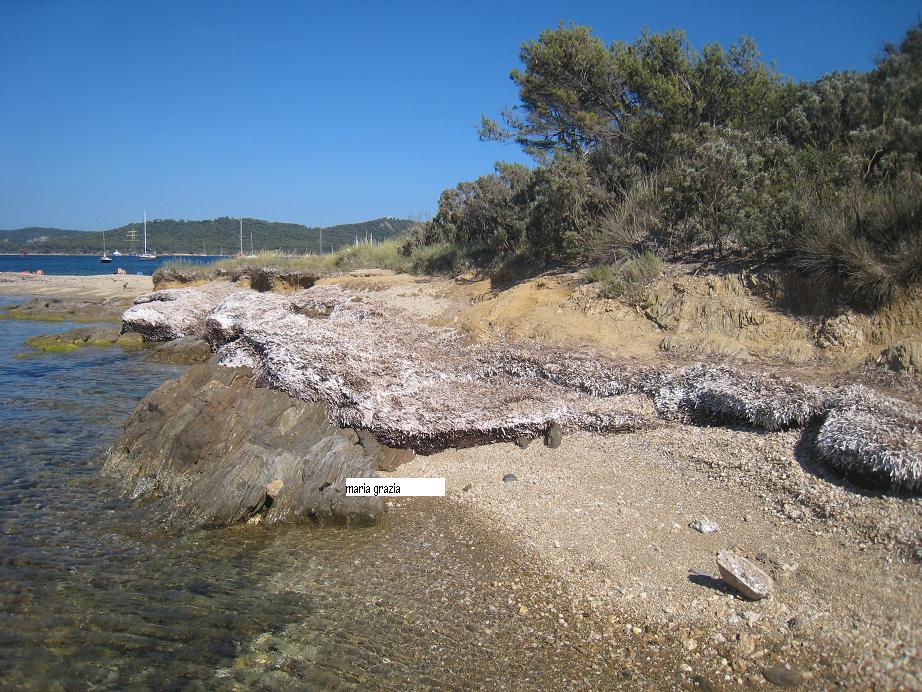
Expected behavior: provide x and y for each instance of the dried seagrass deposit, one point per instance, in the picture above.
(868, 434)
(172, 313)
(411, 385)
(427, 388)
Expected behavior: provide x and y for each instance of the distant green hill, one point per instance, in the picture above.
(215, 236)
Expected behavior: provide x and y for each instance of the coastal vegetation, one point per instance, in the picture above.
(653, 149)
(383, 255)
(213, 236)
(652, 152)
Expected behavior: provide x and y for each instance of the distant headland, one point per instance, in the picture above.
(211, 236)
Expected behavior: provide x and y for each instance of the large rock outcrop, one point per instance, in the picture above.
(212, 449)
(425, 388)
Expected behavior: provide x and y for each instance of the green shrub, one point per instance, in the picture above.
(600, 272)
(441, 258)
(631, 227)
(865, 243)
(627, 280)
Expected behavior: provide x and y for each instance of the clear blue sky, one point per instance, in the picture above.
(318, 113)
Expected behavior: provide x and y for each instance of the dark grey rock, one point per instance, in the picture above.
(186, 350)
(553, 436)
(523, 441)
(509, 477)
(783, 677)
(467, 488)
(387, 458)
(213, 450)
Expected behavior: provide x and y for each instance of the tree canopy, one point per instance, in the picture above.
(659, 147)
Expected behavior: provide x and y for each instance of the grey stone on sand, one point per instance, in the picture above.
(553, 436)
(523, 441)
(704, 525)
(744, 575)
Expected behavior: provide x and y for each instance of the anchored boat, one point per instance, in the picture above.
(147, 254)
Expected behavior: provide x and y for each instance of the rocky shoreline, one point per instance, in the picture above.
(307, 387)
(425, 388)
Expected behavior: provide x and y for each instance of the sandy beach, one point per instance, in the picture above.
(76, 298)
(610, 515)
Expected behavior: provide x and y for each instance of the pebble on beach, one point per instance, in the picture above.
(744, 575)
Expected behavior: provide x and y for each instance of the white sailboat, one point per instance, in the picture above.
(147, 254)
(105, 259)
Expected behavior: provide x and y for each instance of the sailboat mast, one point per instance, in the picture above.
(145, 233)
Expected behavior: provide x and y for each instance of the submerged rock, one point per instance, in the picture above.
(783, 677)
(744, 575)
(186, 350)
(75, 338)
(213, 450)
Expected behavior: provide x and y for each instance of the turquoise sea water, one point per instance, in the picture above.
(95, 596)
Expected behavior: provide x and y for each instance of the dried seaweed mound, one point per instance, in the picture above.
(873, 436)
(172, 313)
(703, 393)
(721, 394)
(411, 385)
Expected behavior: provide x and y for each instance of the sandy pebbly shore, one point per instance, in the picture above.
(610, 517)
(77, 298)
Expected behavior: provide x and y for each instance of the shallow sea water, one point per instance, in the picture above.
(93, 595)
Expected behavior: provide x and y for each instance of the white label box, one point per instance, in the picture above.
(395, 487)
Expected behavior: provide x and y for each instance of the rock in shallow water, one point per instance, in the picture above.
(215, 450)
(186, 350)
(783, 677)
(744, 575)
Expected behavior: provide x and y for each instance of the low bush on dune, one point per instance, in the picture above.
(627, 279)
(385, 255)
(865, 243)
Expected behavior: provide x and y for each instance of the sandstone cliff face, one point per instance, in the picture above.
(419, 387)
(214, 450)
